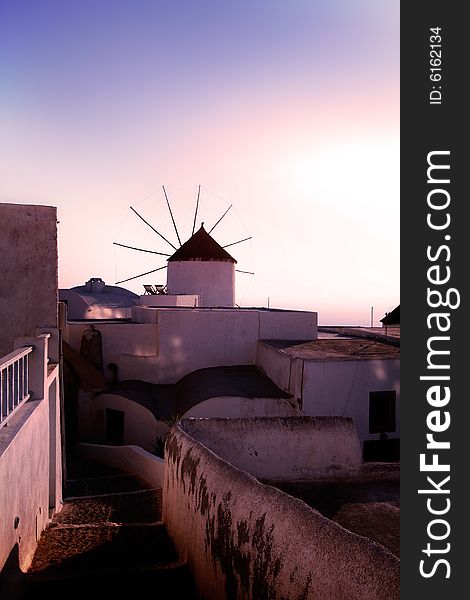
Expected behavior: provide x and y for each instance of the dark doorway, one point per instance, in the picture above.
(114, 426)
(382, 411)
(382, 420)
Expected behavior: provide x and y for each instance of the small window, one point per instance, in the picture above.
(382, 411)
(114, 426)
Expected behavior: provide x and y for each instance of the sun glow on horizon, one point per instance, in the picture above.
(290, 112)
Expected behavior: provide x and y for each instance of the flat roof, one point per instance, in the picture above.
(390, 333)
(335, 349)
(228, 308)
(234, 309)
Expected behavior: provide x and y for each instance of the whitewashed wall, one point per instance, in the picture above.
(79, 308)
(163, 345)
(130, 459)
(158, 300)
(30, 472)
(213, 281)
(141, 427)
(335, 387)
(342, 388)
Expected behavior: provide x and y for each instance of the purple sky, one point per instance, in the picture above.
(288, 110)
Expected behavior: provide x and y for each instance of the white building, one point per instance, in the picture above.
(201, 266)
(96, 300)
(174, 337)
(337, 376)
(30, 407)
(138, 412)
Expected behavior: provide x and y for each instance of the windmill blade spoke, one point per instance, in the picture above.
(171, 215)
(153, 228)
(239, 242)
(141, 275)
(195, 214)
(247, 272)
(221, 218)
(140, 249)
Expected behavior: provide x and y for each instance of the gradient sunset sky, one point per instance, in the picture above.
(287, 110)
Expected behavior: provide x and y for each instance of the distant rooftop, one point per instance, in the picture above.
(389, 334)
(96, 292)
(392, 318)
(201, 246)
(335, 349)
(97, 300)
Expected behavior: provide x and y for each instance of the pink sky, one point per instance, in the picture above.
(288, 111)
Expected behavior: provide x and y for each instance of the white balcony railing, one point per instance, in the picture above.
(14, 388)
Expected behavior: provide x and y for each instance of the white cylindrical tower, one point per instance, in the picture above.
(201, 266)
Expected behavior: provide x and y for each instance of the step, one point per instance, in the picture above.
(164, 581)
(68, 550)
(142, 506)
(105, 484)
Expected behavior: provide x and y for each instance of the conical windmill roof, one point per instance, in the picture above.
(201, 246)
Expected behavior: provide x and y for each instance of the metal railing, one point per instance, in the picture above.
(14, 382)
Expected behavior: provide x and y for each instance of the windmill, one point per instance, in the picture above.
(191, 262)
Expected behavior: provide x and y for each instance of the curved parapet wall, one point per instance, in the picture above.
(131, 459)
(243, 539)
(282, 448)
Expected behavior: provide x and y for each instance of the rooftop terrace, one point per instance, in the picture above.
(335, 349)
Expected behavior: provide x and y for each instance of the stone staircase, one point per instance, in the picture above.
(107, 542)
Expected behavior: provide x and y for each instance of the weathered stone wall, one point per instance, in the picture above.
(246, 540)
(282, 448)
(29, 282)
